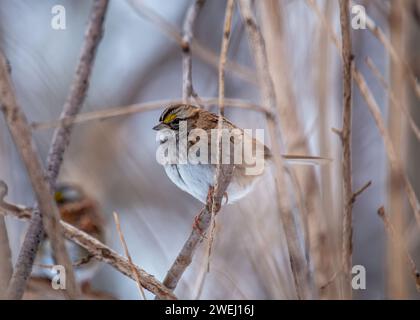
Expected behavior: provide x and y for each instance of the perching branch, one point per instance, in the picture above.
(345, 135)
(220, 175)
(190, 18)
(98, 250)
(22, 137)
(223, 176)
(60, 141)
(298, 263)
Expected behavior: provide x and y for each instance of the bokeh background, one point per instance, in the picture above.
(139, 61)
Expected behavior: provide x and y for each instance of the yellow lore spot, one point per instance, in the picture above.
(169, 118)
(58, 196)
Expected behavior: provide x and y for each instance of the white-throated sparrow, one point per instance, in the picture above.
(189, 152)
(81, 211)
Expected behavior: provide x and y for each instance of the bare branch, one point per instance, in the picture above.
(346, 142)
(393, 53)
(144, 107)
(202, 52)
(6, 268)
(394, 160)
(59, 142)
(223, 176)
(396, 238)
(22, 137)
(394, 101)
(219, 173)
(78, 90)
(100, 252)
(127, 254)
(299, 265)
(360, 191)
(191, 16)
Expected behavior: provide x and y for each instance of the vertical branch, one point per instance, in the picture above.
(6, 268)
(22, 137)
(345, 136)
(60, 141)
(298, 263)
(395, 237)
(394, 160)
(78, 90)
(190, 18)
(397, 278)
(317, 239)
(219, 171)
(224, 174)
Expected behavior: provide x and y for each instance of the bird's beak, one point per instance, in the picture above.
(159, 126)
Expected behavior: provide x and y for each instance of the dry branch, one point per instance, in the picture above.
(98, 250)
(219, 175)
(393, 52)
(299, 266)
(128, 256)
(394, 101)
(345, 136)
(22, 137)
(191, 16)
(394, 160)
(144, 107)
(396, 238)
(223, 176)
(60, 141)
(202, 52)
(6, 268)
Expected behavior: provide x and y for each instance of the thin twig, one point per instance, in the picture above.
(394, 160)
(22, 137)
(79, 88)
(6, 268)
(204, 218)
(346, 142)
(100, 251)
(201, 51)
(60, 141)
(191, 16)
(221, 108)
(360, 191)
(143, 107)
(396, 238)
(127, 254)
(299, 266)
(393, 98)
(393, 53)
(318, 242)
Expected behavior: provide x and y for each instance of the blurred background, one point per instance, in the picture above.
(139, 60)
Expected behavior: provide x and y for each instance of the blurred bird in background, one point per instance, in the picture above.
(82, 212)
